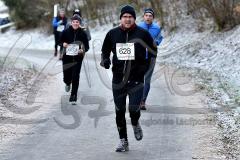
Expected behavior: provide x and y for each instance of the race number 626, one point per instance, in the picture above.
(125, 50)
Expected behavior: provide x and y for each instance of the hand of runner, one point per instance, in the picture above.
(80, 51)
(60, 22)
(105, 63)
(65, 45)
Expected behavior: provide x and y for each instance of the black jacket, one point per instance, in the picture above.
(131, 69)
(71, 36)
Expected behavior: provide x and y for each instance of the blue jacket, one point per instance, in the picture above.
(56, 20)
(154, 30)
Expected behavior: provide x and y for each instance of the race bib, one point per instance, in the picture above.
(125, 51)
(72, 50)
(60, 28)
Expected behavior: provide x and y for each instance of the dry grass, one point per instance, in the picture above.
(225, 13)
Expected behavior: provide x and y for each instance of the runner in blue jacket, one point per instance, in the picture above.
(59, 24)
(155, 32)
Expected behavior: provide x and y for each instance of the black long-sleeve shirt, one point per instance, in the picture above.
(72, 36)
(142, 40)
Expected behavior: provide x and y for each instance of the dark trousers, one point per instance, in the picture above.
(71, 71)
(147, 79)
(134, 90)
(57, 38)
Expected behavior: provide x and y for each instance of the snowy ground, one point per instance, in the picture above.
(213, 60)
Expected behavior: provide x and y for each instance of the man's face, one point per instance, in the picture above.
(75, 24)
(127, 20)
(148, 18)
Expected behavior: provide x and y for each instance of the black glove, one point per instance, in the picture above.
(105, 63)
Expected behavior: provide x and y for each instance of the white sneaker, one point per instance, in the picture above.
(73, 99)
(123, 146)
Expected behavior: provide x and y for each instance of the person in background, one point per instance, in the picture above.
(83, 24)
(155, 31)
(75, 45)
(59, 24)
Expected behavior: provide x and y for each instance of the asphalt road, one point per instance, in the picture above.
(88, 130)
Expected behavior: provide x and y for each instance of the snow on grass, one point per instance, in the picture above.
(35, 39)
(213, 52)
(215, 59)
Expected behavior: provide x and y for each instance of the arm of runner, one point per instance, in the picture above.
(54, 22)
(63, 39)
(151, 49)
(107, 47)
(85, 42)
(159, 38)
(106, 50)
(65, 45)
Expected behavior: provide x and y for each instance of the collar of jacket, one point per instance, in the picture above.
(148, 25)
(128, 29)
(74, 29)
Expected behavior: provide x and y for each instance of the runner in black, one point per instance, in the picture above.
(75, 42)
(128, 43)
